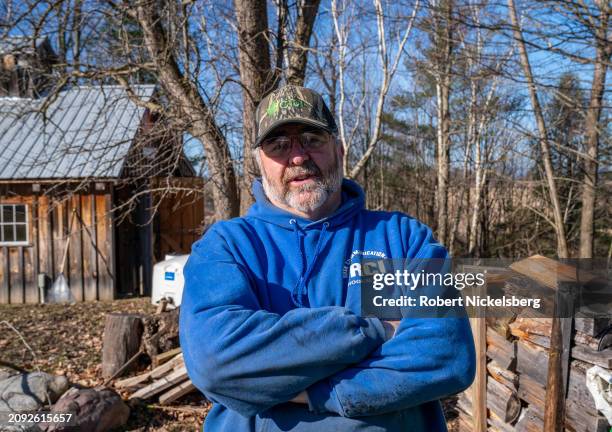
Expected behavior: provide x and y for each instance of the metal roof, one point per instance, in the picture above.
(85, 132)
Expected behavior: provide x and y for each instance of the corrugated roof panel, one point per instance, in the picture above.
(125, 125)
(87, 133)
(83, 114)
(24, 154)
(102, 158)
(40, 154)
(16, 120)
(86, 140)
(128, 127)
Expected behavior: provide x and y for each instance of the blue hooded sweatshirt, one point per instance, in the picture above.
(271, 308)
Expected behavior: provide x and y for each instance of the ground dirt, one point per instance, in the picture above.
(67, 340)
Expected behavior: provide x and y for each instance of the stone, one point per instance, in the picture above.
(7, 373)
(30, 391)
(95, 410)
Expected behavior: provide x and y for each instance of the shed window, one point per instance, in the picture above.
(13, 224)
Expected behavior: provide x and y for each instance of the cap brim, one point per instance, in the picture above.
(283, 122)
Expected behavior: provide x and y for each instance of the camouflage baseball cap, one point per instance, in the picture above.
(292, 104)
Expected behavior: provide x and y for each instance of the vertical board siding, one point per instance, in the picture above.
(57, 224)
(96, 246)
(4, 271)
(43, 239)
(90, 279)
(145, 274)
(29, 275)
(89, 266)
(75, 250)
(28, 257)
(181, 218)
(15, 278)
(104, 235)
(35, 298)
(50, 244)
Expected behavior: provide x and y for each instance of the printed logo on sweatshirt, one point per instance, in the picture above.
(352, 268)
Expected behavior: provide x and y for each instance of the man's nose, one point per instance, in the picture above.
(297, 155)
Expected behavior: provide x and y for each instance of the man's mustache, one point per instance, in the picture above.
(309, 168)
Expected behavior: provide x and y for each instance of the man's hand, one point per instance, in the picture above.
(390, 328)
(301, 398)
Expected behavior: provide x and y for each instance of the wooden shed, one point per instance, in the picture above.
(87, 177)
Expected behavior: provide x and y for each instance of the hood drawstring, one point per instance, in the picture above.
(300, 288)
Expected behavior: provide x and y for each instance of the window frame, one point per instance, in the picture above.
(26, 223)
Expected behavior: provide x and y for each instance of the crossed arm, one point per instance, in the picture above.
(250, 360)
(390, 329)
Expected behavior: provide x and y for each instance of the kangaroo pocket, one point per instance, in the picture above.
(297, 418)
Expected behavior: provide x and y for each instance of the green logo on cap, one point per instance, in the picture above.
(285, 104)
(272, 108)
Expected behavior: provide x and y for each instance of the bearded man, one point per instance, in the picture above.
(269, 323)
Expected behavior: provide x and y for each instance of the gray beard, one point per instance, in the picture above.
(309, 197)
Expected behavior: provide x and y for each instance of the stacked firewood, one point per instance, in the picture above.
(517, 355)
(167, 382)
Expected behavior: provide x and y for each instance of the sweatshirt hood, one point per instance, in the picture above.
(353, 200)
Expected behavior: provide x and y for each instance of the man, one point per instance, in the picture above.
(270, 326)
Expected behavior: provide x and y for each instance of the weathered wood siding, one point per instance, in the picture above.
(90, 262)
(180, 217)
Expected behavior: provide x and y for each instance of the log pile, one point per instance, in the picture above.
(167, 382)
(517, 352)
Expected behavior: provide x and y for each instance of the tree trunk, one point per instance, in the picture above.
(196, 114)
(76, 30)
(443, 152)
(555, 407)
(122, 335)
(478, 200)
(298, 56)
(256, 74)
(443, 64)
(592, 131)
(562, 249)
(257, 79)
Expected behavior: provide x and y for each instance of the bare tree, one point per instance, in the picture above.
(186, 98)
(443, 44)
(257, 78)
(387, 64)
(256, 74)
(559, 226)
(299, 46)
(599, 27)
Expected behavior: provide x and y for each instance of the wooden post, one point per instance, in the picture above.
(478, 390)
(558, 359)
(555, 394)
(479, 387)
